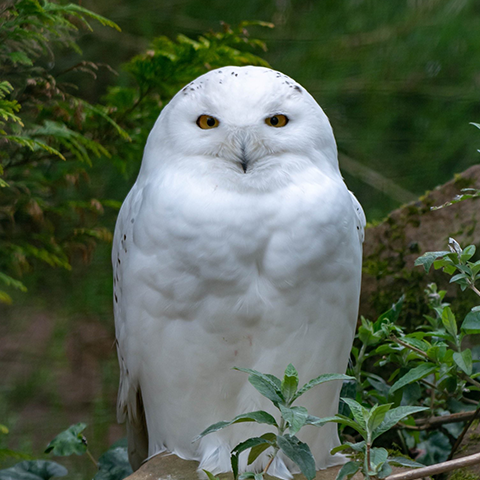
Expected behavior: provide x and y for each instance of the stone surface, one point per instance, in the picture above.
(170, 467)
(392, 246)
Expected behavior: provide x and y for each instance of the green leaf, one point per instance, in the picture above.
(265, 385)
(359, 412)
(393, 416)
(270, 438)
(327, 377)
(348, 470)
(250, 443)
(464, 360)
(33, 470)
(358, 447)
(449, 322)
(296, 417)
(114, 464)
(378, 456)
(377, 415)
(413, 375)
(258, 417)
(210, 475)
(471, 324)
(428, 258)
(68, 442)
(290, 382)
(299, 453)
(405, 462)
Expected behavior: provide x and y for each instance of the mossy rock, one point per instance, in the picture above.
(392, 246)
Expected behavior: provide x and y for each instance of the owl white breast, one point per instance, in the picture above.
(238, 245)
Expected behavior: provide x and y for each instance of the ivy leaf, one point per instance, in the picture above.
(413, 375)
(299, 453)
(464, 360)
(114, 463)
(68, 442)
(33, 470)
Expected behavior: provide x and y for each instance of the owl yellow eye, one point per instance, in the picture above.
(206, 122)
(277, 121)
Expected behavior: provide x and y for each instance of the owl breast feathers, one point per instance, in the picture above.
(238, 245)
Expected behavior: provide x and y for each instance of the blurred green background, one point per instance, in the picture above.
(400, 83)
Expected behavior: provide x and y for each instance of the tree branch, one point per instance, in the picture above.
(438, 468)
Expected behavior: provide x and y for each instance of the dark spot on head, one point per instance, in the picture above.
(220, 82)
(132, 220)
(358, 228)
(298, 89)
(119, 261)
(116, 299)
(124, 237)
(192, 89)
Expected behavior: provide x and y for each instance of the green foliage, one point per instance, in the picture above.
(112, 465)
(44, 144)
(282, 393)
(33, 470)
(68, 442)
(50, 138)
(166, 67)
(430, 366)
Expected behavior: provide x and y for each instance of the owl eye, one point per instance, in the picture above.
(206, 122)
(277, 121)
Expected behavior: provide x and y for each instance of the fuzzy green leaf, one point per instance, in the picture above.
(413, 375)
(299, 453)
(258, 417)
(327, 377)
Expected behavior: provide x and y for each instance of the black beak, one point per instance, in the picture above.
(244, 160)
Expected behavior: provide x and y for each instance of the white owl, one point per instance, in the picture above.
(238, 245)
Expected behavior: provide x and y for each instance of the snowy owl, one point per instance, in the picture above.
(238, 245)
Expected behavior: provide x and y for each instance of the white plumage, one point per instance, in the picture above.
(238, 245)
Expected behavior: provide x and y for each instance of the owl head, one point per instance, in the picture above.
(244, 124)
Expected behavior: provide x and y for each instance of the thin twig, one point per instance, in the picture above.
(90, 456)
(464, 431)
(411, 347)
(438, 468)
(269, 463)
(434, 422)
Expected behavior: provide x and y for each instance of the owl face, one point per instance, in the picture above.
(246, 121)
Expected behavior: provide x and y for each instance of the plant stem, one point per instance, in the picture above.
(404, 344)
(281, 431)
(90, 456)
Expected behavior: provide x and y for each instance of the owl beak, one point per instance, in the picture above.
(244, 159)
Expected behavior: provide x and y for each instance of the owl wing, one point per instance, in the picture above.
(130, 408)
(360, 217)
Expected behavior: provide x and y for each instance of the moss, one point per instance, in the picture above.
(463, 182)
(464, 474)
